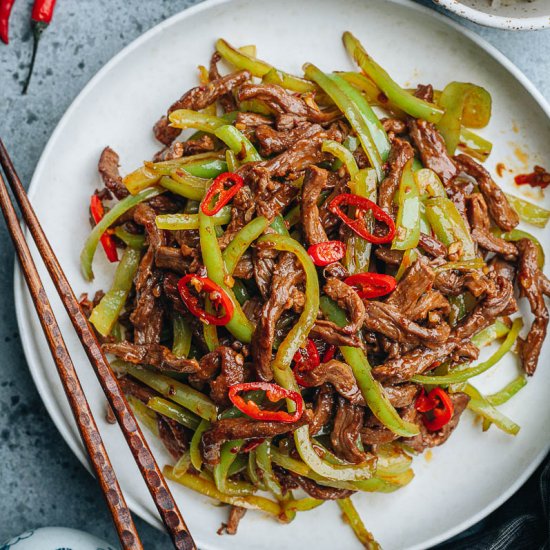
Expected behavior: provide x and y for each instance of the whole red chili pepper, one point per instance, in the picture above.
(327, 252)
(107, 241)
(371, 285)
(216, 294)
(363, 205)
(41, 17)
(218, 194)
(5, 11)
(274, 393)
(436, 407)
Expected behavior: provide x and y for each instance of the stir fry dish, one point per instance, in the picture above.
(306, 273)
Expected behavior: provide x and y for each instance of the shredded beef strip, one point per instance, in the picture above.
(394, 126)
(229, 363)
(147, 315)
(345, 432)
(302, 153)
(171, 259)
(426, 439)
(236, 513)
(503, 268)
(529, 282)
(252, 120)
(173, 435)
(315, 181)
(197, 99)
(433, 150)
(322, 411)
(227, 101)
(154, 355)
(243, 209)
(290, 480)
(228, 429)
(451, 283)
(134, 388)
(429, 302)
(389, 321)
(281, 101)
(500, 209)
(285, 276)
(425, 92)
(389, 256)
(347, 298)
(179, 149)
(271, 197)
(374, 432)
(400, 153)
(432, 246)
(273, 142)
(481, 233)
(108, 170)
(333, 334)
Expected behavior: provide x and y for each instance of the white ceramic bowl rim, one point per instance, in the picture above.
(497, 21)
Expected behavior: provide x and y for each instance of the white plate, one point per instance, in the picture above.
(466, 478)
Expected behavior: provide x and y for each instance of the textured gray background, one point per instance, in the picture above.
(41, 482)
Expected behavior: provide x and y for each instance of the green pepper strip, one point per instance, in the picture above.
(372, 391)
(183, 463)
(358, 250)
(449, 226)
(129, 239)
(488, 335)
(227, 457)
(476, 263)
(429, 184)
(365, 537)
(88, 251)
(175, 412)
(392, 460)
(516, 235)
(302, 504)
(506, 393)
(184, 184)
(463, 375)
(208, 488)
(210, 332)
(409, 258)
(181, 393)
(529, 212)
(470, 142)
(462, 102)
(259, 68)
(106, 313)
(186, 118)
(182, 335)
(483, 408)
(407, 224)
(251, 469)
(290, 345)
(242, 241)
(238, 143)
(344, 155)
(146, 416)
(359, 114)
(176, 222)
(263, 461)
(239, 464)
(212, 257)
(204, 165)
(194, 446)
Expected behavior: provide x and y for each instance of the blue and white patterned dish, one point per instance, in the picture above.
(56, 538)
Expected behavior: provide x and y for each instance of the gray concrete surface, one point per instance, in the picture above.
(41, 482)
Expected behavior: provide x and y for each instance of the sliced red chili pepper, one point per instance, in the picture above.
(274, 393)
(329, 353)
(218, 195)
(371, 285)
(363, 205)
(307, 358)
(539, 177)
(217, 296)
(436, 407)
(107, 241)
(327, 252)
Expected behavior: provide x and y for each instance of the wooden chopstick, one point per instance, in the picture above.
(164, 501)
(71, 384)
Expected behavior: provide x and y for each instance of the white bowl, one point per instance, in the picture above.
(513, 15)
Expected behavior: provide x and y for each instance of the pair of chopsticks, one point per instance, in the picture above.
(91, 437)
